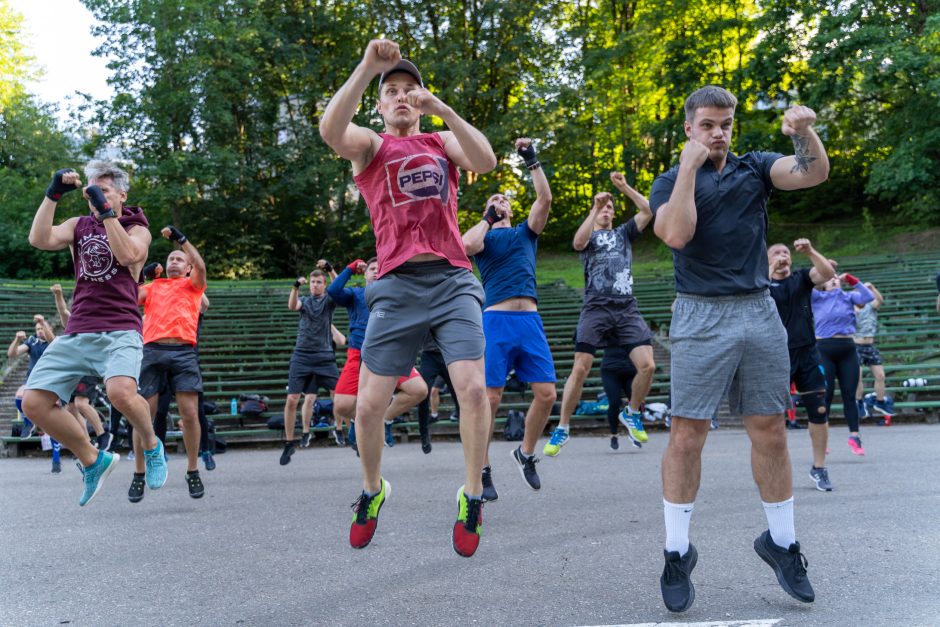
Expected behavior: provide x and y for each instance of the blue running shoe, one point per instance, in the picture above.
(208, 460)
(156, 470)
(95, 475)
(634, 424)
(559, 439)
(389, 437)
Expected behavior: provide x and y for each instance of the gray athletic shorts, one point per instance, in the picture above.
(611, 324)
(734, 345)
(308, 373)
(407, 303)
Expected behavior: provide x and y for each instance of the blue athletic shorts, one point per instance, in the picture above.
(516, 340)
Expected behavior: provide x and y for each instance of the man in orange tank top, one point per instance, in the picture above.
(171, 317)
(409, 182)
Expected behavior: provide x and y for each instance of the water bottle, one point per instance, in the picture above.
(915, 382)
(234, 406)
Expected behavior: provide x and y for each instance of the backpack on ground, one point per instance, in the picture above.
(514, 430)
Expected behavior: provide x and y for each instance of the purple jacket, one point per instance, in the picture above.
(834, 311)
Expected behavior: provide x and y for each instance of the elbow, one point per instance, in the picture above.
(675, 242)
(487, 163)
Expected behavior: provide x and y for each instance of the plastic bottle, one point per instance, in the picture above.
(234, 406)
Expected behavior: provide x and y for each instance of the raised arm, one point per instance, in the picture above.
(474, 240)
(677, 218)
(60, 306)
(198, 275)
(348, 140)
(879, 299)
(43, 234)
(50, 332)
(337, 289)
(293, 302)
(17, 347)
(327, 267)
(860, 294)
(809, 166)
(204, 304)
(338, 338)
(822, 270)
(644, 216)
(583, 235)
(538, 214)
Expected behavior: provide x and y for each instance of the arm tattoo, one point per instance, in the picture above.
(803, 158)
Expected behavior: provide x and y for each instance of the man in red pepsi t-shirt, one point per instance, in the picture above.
(102, 338)
(409, 182)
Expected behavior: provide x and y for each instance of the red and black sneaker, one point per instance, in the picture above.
(469, 525)
(366, 516)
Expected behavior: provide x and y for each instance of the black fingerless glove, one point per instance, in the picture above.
(176, 235)
(99, 202)
(297, 284)
(150, 271)
(327, 267)
(491, 215)
(528, 155)
(57, 187)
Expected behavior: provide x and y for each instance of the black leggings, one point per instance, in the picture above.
(432, 366)
(617, 383)
(163, 409)
(839, 359)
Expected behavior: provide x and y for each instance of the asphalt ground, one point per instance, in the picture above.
(268, 544)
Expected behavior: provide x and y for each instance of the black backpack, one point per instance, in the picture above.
(514, 430)
(252, 404)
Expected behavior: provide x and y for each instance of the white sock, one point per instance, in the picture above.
(678, 516)
(563, 427)
(780, 522)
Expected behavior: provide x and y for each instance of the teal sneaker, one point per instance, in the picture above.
(559, 439)
(95, 475)
(156, 470)
(634, 424)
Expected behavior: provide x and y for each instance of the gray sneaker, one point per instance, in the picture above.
(821, 477)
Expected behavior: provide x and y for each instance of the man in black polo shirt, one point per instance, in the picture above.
(726, 335)
(791, 291)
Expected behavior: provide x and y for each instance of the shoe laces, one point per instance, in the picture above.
(800, 561)
(361, 507)
(529, 463)
(558, 435)
(474, 508)
(674, 571)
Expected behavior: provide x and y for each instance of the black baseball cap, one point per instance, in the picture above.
(405, 66)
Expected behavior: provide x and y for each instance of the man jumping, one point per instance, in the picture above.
(409, 182)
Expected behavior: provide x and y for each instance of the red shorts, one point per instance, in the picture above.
(348, 382)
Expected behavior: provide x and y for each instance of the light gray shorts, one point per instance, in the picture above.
(734, 345)
(406, 304)
(71, 357)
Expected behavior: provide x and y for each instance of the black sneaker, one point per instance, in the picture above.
(338, 437)
(196, 489)
(527, 468)
(676, 581)
(136, 492)
(288, 451)
(614, 443)
(103, 441)
(426, 443)
(305, 440)
(789, 565)
(489, 490)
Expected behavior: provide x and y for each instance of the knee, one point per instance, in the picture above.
(473, 396)
(580, 369)
(686, 438)
(545, 394)
(494, 396)
(34, 404)
(121, 395)
(293, 398)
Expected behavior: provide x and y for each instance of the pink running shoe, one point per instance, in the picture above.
(855, 443)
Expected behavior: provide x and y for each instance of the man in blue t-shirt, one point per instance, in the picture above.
(515, 337)
(35, 346)
(610, 316)
(727, 337)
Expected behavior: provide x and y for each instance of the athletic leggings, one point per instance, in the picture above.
(432, 366)
(839, 359)
(617, 384)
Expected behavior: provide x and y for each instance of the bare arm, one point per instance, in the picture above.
(198, 276)
(43, 234)
(676, 219)
(879, 299)
(17, 347)
(129, 247)
(338, 338)
(50, 332)
(822, 269)
(583, 235)
(204, 304)
(141, 294)
(538, 214)
(473, 238)
(60, 306)
(809, 166)
(293, 302)
(465, 145)
(348, 140)
(645, 215)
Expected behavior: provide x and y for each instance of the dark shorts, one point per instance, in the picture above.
(806, 370)
(87, 387)
(414, 299)
(169, 364)
(868, 355)
(611, 324)
(308, 373)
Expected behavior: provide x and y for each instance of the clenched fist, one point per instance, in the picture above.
(425, 102)
(797, 120)
(694, 153)
(602, 200)
(381, 55)
(803, 246)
